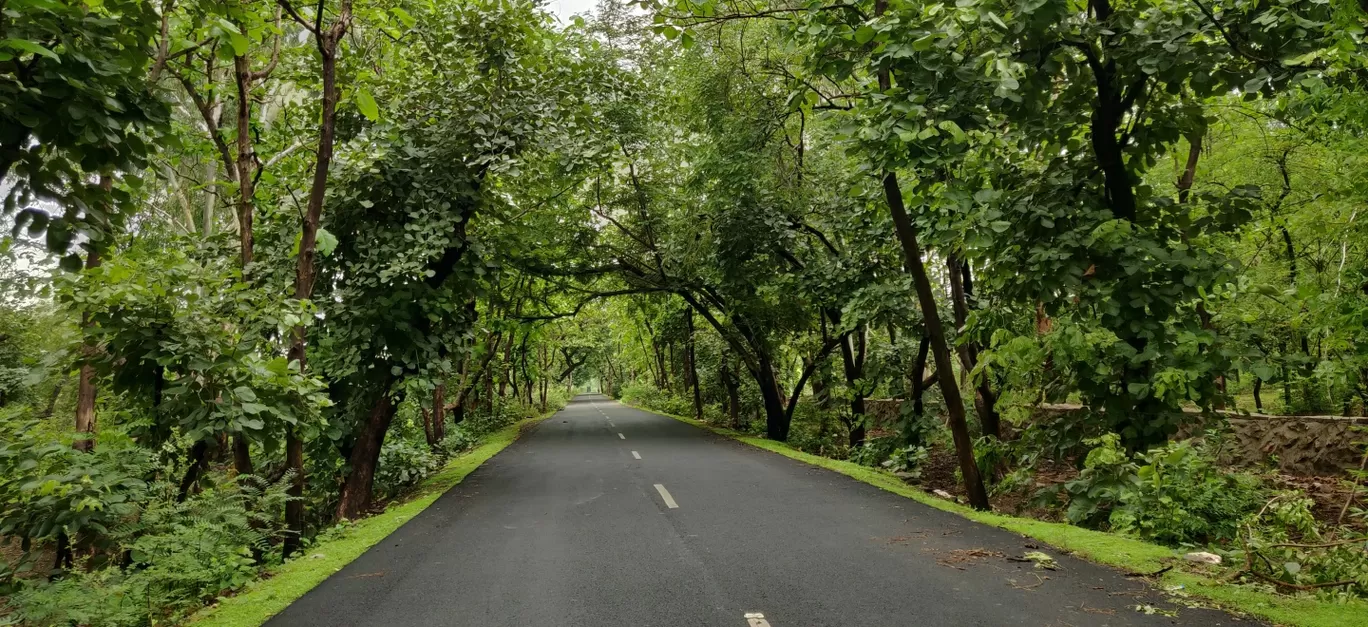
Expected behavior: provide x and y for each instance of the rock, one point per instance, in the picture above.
(943, 494)
(1202, 557)
(317, 556)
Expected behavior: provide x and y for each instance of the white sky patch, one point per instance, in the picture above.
(565, 9)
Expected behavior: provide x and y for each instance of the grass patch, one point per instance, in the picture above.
(1097, 546)
(266, 597)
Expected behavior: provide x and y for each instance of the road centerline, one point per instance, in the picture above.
(756, 619)
(622, 436)
(665, 494)
(636, 454)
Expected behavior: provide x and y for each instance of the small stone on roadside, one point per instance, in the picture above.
(317, 556)
(943, 494)
(1202, 557)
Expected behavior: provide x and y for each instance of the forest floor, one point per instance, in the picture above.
(938, 473)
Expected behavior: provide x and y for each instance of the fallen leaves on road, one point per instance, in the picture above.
(960, 556)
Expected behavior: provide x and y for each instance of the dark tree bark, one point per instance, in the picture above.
(199, 458)
(940, 349)
(693, 366)
(853, 361)
(733, 387)
(357, 490)
(985, 400)
(85, 390)
(918, 377)
(52, 398)
(327, 41)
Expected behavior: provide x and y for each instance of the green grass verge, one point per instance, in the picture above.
(265, 598)
(1122, 552)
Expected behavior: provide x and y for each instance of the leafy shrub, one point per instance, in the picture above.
(403, 463)
(50, 490)
(1173, 494)
(653, 398)
(908, 459)
(1285, 545)
(170, 558)
(874, 451)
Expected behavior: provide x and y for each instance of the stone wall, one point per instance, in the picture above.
(1303, 445)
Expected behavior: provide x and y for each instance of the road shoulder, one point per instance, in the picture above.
(267, 597)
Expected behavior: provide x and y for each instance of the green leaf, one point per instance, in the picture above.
(864, 34)
(404, 17)
(240, 43)
(366, 103)
(24, 45)
(326, 242)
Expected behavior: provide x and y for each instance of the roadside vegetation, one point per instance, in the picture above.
(268, 265)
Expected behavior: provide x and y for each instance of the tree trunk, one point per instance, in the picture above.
(940, 349)
(853, 361)
(693, 366)
(85, 390)
(776, 418)
(1258, 394)
(242, 455)
(365, 454)
(733, 386)
(439, 413)
(305, 272)
(246, 185)
(199, 458)
(918, 388)
(985, 401)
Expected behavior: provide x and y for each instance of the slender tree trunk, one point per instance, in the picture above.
(733, 386)
(985, 400)
(242, 72)
(940, 349)
(853, 362)
(357, 490)
(693, 366)
(1258, 394)
(199, 458)
(85, 390)
(439, 413)
(918, 391)
(52, 398)
(305, 272)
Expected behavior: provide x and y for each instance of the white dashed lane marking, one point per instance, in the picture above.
(756, 619)
(665, 494)
(622, 436)
(636, 454)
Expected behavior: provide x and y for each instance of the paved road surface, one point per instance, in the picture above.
(604, 515)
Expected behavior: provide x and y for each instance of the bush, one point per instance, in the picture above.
(874, 451)
(1174, 494)
(652, 398)
(403, 463)
(1285, 545)
(169, 559)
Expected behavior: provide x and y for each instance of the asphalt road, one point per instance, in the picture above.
(604, 515)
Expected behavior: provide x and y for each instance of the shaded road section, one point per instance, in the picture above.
(604, 515)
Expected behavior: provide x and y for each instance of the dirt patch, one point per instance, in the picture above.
(1329, 494)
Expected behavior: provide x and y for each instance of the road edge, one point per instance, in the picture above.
(1186, 585)
(268, 596)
